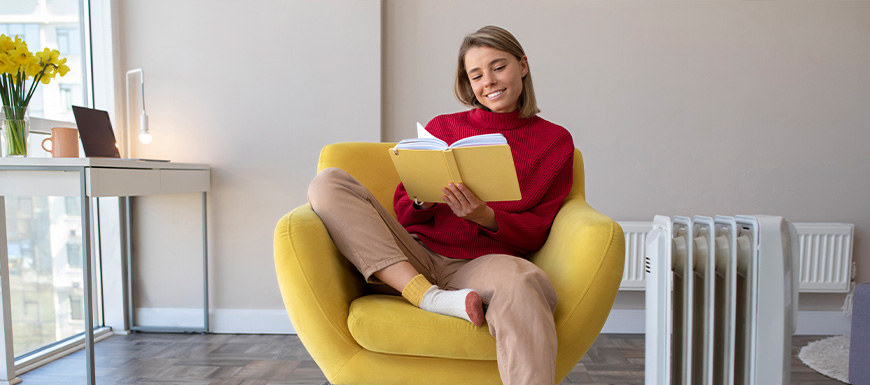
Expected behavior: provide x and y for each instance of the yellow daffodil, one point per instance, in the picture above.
(5, 63)
(17, 66)
(6, 44)
(62, 68)
(32, 68)
(20, 55)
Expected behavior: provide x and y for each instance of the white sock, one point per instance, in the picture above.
(463, 304)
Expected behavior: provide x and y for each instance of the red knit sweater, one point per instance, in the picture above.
(543, 155)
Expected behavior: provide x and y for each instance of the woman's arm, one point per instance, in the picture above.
(528, 230)
(406, 213)
(466, 205)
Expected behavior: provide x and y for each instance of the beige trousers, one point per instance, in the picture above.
(519, 296)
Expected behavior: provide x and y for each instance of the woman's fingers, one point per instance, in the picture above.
(468, 195)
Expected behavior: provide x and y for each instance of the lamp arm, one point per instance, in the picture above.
(142, 86)
(143, 118)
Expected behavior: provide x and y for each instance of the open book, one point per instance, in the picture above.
(483, 163)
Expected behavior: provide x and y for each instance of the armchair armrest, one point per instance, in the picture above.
(584, 257)
(317, 284)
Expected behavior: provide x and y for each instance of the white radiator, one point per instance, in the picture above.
(721, 300)
(825, 256)
(633, 276)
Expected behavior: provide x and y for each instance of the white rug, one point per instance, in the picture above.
(829, 356)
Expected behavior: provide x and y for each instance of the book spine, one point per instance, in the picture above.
(452, 168)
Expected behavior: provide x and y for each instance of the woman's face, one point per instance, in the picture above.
(496, 77)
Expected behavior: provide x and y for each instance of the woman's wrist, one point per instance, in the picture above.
(489, 221)
(423, 205)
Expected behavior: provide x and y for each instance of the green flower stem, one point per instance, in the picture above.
(15, 131)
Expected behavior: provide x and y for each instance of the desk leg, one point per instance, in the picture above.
(7, 365)
(86, 273)
(128, 245)
(205, 263)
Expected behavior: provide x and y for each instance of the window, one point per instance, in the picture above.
(44, 233)
(75, 309)
(74, 253)
(70, 95)
(71, 204)
(69, 41)
(29, 32)
(50, 24)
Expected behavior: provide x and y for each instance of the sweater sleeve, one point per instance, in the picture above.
(406, 214)
(528, 230)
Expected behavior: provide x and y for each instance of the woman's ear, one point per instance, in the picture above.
(524, 65)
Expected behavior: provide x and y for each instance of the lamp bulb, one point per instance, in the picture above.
(144, 137)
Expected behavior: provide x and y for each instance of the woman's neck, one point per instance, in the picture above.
(496, 120)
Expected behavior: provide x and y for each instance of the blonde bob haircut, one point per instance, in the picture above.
(502, 40)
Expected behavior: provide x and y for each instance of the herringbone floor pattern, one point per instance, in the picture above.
(220, 359)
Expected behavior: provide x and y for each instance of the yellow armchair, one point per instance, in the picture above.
(357, 337)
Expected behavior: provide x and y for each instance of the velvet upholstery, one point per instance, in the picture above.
(357, 337)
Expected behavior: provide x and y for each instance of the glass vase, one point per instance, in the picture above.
(15, 129)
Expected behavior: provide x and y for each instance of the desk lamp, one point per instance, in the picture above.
(144, 135)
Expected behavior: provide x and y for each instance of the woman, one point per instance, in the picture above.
(464, 257)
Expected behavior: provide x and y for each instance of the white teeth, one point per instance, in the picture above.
(494, 94)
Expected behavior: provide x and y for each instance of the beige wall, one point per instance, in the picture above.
(255, 88)
(679, 107)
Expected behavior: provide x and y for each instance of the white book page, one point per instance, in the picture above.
(422, 133)
(480, 140)
(426, 141)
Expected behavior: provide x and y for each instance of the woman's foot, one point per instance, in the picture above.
(465, 304)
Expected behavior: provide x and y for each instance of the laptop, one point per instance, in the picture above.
(98, 138)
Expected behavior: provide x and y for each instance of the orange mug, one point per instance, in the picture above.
(64, 142)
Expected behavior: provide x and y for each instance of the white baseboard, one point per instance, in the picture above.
(229, 321)
(625, 321)
(275, 321)
(823, 323)
(631, 321)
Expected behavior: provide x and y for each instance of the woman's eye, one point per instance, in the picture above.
(500, 68)
(475, 77)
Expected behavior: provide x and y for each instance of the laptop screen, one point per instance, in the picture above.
(95, 130)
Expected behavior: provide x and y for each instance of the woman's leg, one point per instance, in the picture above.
(397, 276)
(521, 302)
(365, 232)
(380, 248)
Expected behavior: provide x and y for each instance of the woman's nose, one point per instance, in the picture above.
(488, 78)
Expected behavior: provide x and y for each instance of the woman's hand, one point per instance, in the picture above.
(466, 205)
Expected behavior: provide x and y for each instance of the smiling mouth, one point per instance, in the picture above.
(495, 94)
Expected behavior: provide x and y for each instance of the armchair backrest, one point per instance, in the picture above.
(370, 164)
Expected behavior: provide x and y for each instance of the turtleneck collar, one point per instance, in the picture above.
(496, 120)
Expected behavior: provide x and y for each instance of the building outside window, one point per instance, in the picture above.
(44, 233)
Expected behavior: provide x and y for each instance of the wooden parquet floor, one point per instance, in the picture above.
(221, 359)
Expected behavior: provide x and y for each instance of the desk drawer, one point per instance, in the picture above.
(107, 182)
(40, 183)
(184, 181)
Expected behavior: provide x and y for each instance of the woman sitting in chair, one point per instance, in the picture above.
(465, 258)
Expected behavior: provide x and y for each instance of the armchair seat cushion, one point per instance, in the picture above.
(389, 324)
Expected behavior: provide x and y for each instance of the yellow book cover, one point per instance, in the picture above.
(483, 163)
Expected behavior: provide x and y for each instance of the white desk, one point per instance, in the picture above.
(90, 178)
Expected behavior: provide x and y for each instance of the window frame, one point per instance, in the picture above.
(97, 21)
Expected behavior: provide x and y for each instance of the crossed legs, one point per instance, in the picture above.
(520, 297)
